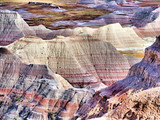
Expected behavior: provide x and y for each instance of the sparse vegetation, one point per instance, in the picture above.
(133, 53)
(73, 12)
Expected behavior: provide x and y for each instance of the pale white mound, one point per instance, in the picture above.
(71, 32)
(118, 36)
(41, 31)
(63, 83)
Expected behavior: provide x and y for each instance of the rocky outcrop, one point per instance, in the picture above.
(136, 97)
(144, 16)
(81, 60)
(12, 27)
(116, 1)
(88, 2)
(44, 4)
(30, 91)
(41, 31)
(151, 21)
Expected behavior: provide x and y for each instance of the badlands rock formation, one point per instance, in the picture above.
(41, 31)
(88, 1)
(117, 1)
(30, 91)
(12, 27)
(136, 97)
(118, 36)
(81, 60)
(144, 16)
(151, 29)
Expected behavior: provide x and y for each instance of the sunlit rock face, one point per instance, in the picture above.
(123, 39)
(12, 27)
(135, 97)
(41, 31)
(114, 33)
(30, 91)
(82, 60)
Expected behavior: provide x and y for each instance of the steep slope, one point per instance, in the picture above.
(136, 97)
(12, 27)
(151, 29)
(144, 15)
(30, 91)
(82, 60)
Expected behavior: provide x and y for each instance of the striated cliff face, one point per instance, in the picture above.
(81, 60)
(151, 29)
(30, 91)
(135, 97)
(12, 27)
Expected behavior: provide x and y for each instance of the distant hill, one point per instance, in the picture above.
(47, 1)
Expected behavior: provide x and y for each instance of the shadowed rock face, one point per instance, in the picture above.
(145, 16)
(151, 19)
(30, 91)
(81, 60)
(117, 1)
(136, 97)
(4, 51)
(149, 30)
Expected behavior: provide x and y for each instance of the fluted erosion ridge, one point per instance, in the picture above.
(30, 91)
(81, 60)
(12, 27)
(135, 97)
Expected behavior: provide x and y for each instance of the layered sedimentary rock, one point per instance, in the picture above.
(41, 31)
(136, 97)
(71, 32)
(30, 91)
(114, 33)
(88, 2)
(117, 1)
(151, 29)
(144, 16)
(12, 27)
(82, 60)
